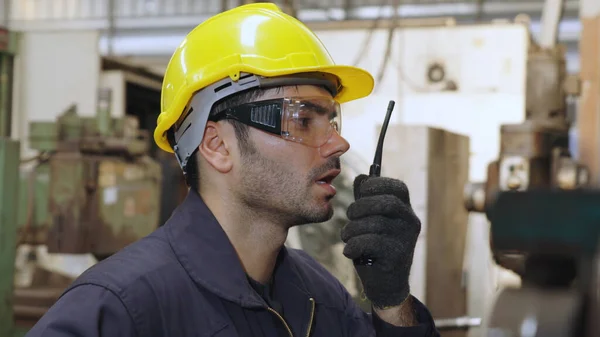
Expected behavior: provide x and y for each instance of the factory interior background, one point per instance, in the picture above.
(458, 70)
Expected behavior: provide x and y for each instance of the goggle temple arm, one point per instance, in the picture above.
(263, 115)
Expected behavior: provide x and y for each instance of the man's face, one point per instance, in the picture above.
(287, 181)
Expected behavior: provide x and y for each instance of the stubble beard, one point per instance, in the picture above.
(271, 190)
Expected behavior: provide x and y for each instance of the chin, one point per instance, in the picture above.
(322, 214)
(317, 214)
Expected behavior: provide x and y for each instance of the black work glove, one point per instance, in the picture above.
(381, 237)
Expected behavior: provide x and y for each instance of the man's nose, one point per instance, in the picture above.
(335, 146)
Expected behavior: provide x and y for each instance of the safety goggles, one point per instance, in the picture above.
(307, 120)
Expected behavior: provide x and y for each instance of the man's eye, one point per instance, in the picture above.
(304, 122)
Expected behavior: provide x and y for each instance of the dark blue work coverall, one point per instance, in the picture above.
(185, 279)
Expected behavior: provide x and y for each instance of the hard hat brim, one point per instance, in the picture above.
(356, 83)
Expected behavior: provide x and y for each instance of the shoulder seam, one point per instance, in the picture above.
(115, 293)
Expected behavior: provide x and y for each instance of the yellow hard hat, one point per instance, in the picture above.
(256, 39)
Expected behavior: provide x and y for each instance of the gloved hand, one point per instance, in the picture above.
(381, 237)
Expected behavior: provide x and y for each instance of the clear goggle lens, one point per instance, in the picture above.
(307, 120)
(310, 121)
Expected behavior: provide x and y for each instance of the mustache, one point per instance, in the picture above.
(332, 164)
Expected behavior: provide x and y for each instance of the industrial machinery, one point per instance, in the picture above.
(534, 154)
(95, 185)
(93, 189)
(543, 212)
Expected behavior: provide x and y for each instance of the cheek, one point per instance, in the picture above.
(295, 155)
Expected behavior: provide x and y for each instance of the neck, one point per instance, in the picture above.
(256, 239)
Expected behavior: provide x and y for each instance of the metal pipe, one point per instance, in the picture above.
(6, 78)
(28, 311)
(38, 293)
(551, 16)
(457, 323)
(110, 20)
(103, 114)
(5, 14)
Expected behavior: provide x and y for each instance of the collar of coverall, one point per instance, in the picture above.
(204, 250)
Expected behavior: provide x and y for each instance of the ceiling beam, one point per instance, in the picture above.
(32, 18)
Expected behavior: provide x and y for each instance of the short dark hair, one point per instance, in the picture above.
(192, 172)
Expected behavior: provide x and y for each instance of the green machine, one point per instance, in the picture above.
(9, 173)
(93, 187)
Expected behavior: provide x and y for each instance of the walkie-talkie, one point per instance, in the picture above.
(375, 170)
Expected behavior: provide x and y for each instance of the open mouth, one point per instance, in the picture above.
(328, 177)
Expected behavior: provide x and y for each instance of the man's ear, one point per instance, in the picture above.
(214, 147)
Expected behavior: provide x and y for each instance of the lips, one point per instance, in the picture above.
(328, 177)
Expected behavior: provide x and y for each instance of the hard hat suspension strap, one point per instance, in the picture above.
(190, 132)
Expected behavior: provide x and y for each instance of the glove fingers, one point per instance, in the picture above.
(358, 181)
(387, 205)
(365, 186)
(383, 274)
(382, 250)
(368, 244)
(380, 225)
(376, 247)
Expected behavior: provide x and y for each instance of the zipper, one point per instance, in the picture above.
(310, 321)
(312, 314)
(282, 321)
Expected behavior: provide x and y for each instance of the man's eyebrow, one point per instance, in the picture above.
(317, 107)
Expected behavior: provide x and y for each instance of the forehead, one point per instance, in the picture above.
(300, 90)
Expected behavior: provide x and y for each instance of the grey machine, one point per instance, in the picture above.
(544, 214)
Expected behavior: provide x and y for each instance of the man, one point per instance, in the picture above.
(250, 106)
